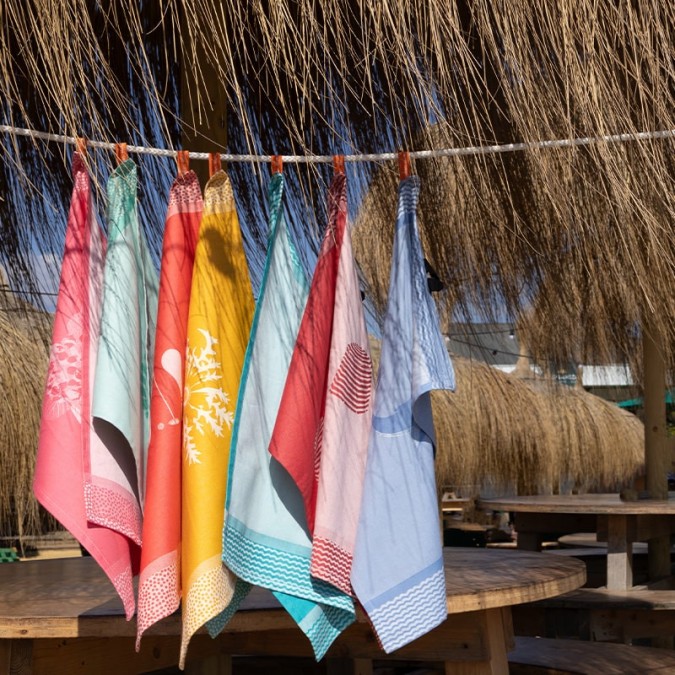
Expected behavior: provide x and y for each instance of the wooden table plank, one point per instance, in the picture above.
(620, 522)
(72, 597)
(66, 611)
(586, 503)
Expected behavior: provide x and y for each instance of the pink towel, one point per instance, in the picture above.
(322, 428)
(66, 432)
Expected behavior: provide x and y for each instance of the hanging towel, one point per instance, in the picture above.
(265, 539)
(321, 432)
(66, 432)
(115, 486)
(221, 311)
(159, 584)
(398, 565)
(347, 417)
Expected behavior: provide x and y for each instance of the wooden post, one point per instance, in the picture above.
(619, 554)
(204, 125)
(657, 461)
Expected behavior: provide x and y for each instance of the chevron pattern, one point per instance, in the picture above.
(279, 570)
(353, 379)
(332, 564)
(412, 613)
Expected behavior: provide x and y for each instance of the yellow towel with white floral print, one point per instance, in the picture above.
(221, 310)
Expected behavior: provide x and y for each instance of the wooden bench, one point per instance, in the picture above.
(540, 655)
(600, 615)
(595, 559)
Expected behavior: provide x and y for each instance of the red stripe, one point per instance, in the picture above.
(352, 382)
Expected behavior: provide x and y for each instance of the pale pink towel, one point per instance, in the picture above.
(346, 422)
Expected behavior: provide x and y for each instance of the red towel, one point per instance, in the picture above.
(159, 586)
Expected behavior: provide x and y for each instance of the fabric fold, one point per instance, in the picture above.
(326, 394)
(115, 484)
(67, 436)
(220, 315)
(265, 540)
(398, 573)
(341, 461)
(159, 583)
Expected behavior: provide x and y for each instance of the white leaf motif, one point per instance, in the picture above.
(206, 404)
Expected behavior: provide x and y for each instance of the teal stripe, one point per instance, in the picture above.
(279, 570)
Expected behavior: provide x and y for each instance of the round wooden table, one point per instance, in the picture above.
(619, 523)
(63, 616)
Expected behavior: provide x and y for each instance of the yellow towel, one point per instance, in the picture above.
(221, 310)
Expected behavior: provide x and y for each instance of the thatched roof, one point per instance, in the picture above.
(500, 431)
(580, 237)
(496, 430)
(23, 367)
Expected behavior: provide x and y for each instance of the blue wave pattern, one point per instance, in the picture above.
(421, 601)
(398, 569)
(321, 610)
(279, 570)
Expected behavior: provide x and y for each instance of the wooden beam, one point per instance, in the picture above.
(657, 461)
(203, 104)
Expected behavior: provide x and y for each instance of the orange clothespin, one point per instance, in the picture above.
(339, 163)
(121, 152)
(183, 162)
(81, 145)
(403, 165)
(277, 164)
(214, 163)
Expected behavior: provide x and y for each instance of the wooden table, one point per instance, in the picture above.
(456, 504)
(62, 616)
(620, 523)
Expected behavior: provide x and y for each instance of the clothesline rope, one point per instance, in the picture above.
(377, 157)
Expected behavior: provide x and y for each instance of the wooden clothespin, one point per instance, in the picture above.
(338, 164)
(81, 145)
(121, 152)
(277, 164)
(214, 163)
(183, 162)
(403, 165)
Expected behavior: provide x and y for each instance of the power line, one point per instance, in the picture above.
(325, 159)
(491, 350)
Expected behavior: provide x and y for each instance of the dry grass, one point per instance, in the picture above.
(577, 242)
(23, 367)
(502, 432)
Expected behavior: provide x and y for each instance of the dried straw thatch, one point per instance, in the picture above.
(583, 237)
(23, 366)
(503, 432)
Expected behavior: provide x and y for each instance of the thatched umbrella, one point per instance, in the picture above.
(23, 367)
(499, 431)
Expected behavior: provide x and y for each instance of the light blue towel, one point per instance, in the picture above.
(115, 486)
(398, 564)
(265, 540)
